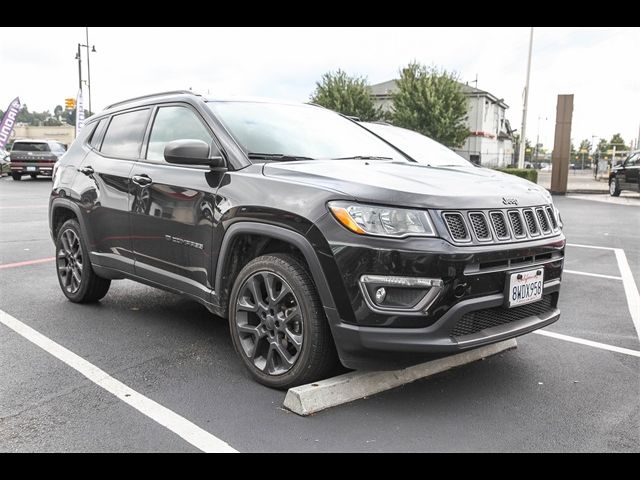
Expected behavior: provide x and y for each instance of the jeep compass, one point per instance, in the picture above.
(318, 241)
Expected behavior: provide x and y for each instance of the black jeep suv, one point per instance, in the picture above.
(316, 239)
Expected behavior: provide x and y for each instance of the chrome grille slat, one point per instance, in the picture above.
(516, 224)
(480, 226)
(500, 225)
(530, 220)
(542, 220)
(552, 217)
(457, 227)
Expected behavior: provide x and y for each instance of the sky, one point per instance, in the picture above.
(598, 65)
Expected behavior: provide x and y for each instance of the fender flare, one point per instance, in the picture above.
(62, 202)
(278, 233)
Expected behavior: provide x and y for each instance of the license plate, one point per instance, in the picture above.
(525, 287)
(31, 169)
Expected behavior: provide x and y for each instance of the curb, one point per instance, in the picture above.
(315, 397)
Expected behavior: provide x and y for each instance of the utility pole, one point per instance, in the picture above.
(523, 131)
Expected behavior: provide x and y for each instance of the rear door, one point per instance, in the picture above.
(103, 185)
(173, 206)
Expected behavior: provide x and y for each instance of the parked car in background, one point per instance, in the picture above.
(34, 157)
(4, 162)
(625, 176)
(317, 240)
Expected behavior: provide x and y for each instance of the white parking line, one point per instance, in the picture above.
(630, 288)
(628, 282)
(590, 246)
(179, 425)
(588, 274)
(590, 343)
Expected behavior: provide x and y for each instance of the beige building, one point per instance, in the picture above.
(490, 143)
(64, 134)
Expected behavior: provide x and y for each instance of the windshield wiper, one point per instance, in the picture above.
(363, 157)
(276, 157)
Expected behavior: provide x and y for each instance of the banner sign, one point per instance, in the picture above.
(8, 121)
(79, 113)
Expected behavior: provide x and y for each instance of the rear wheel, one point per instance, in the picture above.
(77, 279)
(614, 187)
(16, 176)
(278, 325)
(34, 175)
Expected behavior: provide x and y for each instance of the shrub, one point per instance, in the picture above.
(528, 173)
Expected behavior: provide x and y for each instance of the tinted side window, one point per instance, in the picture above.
(174, 123)
(98, 132)
(124, 134)
(633, 160)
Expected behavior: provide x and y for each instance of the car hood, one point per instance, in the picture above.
(413, 184)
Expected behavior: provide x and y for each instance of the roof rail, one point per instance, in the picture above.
(142, 97)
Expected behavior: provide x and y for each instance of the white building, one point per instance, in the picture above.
(490, 143)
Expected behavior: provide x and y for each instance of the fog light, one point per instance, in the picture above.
(381, 293)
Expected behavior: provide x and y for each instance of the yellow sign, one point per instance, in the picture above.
(70, 103)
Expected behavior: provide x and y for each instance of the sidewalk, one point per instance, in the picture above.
(579, 181)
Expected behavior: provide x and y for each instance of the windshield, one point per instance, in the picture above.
(422, 149)
(30, 147)
(294, 131)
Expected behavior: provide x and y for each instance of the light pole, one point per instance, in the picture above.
(523, 132)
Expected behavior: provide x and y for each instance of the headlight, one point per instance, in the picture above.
(382, 221)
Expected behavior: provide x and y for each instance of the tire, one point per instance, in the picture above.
(16, 176)
(34, 176)
(614, 187)
(72, 258)
(260, 332)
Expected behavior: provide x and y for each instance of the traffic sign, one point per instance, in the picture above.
(70, 103)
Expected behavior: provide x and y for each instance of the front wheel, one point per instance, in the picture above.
(277, 323)
(16, 176)
(77, 279)
(614, 187)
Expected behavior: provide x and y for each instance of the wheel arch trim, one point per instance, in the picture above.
(278, 233)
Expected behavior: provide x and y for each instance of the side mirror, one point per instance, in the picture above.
(193, 152)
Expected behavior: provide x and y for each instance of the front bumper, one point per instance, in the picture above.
(469, 279)
(362, 347)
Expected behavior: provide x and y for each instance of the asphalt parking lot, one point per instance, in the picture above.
(550, 394)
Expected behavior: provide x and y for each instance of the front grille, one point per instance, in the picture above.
(542, 220)
(531, 222)
(499, 225)
(474, 322)
(456, 226)
(480, 227)
(552, 217)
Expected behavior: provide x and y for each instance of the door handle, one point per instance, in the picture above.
(86, 170)
(141, 180)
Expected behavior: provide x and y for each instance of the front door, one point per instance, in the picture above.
(172, 208)
(630, 172)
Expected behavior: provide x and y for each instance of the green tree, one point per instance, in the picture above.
(58, 111)
(603, 145)
(430, 101)
(618, 142)
(347, 95)
(585, 145)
